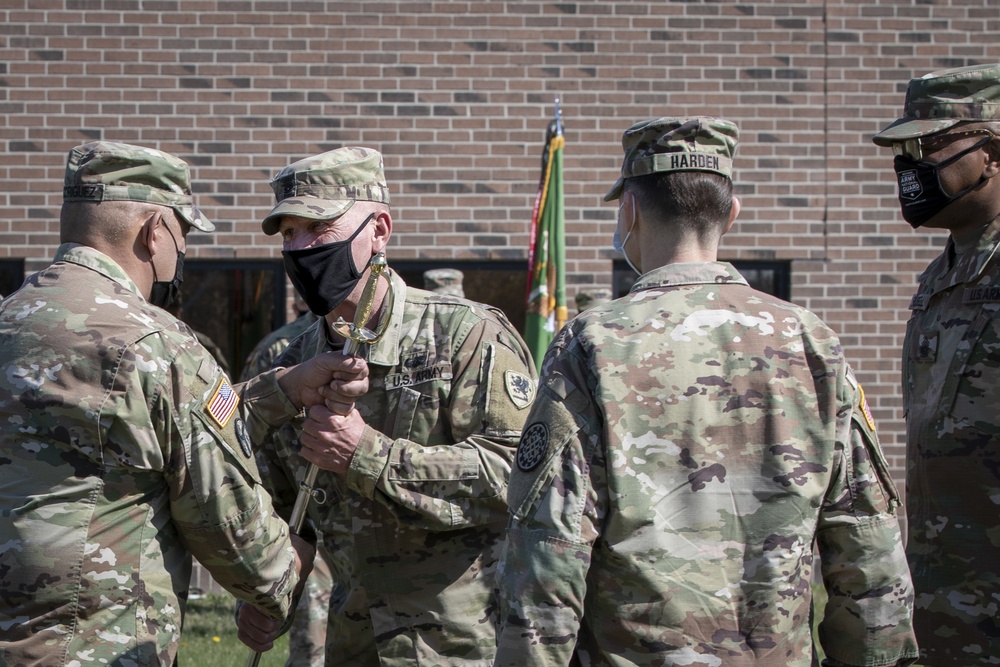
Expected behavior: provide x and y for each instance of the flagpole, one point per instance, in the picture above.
(539, 197)
(545, 294)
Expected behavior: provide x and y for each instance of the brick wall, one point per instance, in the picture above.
(457, 96)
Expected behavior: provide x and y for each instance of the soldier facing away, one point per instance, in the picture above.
(947, 148)
(124, 449)
(415, 471)
(688, 445)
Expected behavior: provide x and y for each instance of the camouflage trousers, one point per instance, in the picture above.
(307, 634)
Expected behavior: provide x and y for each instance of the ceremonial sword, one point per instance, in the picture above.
(355, 335)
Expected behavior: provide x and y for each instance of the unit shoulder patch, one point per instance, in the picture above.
(520, 388)
(532, 447)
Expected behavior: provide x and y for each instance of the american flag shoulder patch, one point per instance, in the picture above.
(865, 409)
(223, 403)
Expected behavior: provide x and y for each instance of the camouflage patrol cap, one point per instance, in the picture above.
(699, 143)
(111, 171)
(939, 100)
(444, 281)
(587, 298)
(325, 186)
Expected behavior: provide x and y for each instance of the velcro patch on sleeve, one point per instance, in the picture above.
(223, 403)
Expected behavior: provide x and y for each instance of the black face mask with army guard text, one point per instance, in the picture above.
(921, 196)
(324, 275)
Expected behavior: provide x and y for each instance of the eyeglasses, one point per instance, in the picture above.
(915, 149)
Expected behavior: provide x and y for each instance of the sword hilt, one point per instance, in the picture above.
(356, 333)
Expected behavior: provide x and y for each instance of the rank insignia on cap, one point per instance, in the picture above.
(223, 403)
(865, 409)
(534, 443)
(520, 388)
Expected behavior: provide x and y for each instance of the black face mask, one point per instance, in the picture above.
(324, 275)
(164, 292)
(920, 194)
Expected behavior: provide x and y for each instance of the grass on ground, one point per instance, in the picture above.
(209, 637)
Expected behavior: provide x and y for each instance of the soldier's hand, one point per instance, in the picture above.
(345, 378)
(339, 395)
(255, 628)
(305, 555)
(258, 630)
(329, 439)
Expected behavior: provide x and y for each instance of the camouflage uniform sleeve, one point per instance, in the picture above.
(868, 615)
(218, 503)
(273, 422)
(274, 462)
(264, 406)
(445, 486)
(557, 497)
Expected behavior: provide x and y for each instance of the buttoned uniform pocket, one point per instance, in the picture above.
(415, 397)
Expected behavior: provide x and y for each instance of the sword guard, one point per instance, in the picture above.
(356, 331)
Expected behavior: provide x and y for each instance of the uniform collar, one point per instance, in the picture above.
(91, 258)
(695, 273)
(386, 351)
(953, 268)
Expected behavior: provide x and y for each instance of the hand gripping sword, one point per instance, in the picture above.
(355, 335)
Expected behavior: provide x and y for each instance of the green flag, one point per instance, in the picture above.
(546, 312)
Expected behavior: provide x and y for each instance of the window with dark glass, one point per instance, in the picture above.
(497, 283)
(11, 275)
(232, 304)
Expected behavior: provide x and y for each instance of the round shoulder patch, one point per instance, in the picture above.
(532, 447)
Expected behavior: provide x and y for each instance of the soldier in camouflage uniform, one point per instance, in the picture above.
(444, 281)
(415, 472)
(593, 297)
(124, 448)
(270, 347)
(947, 146)
(688, 445)
(307, 634)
